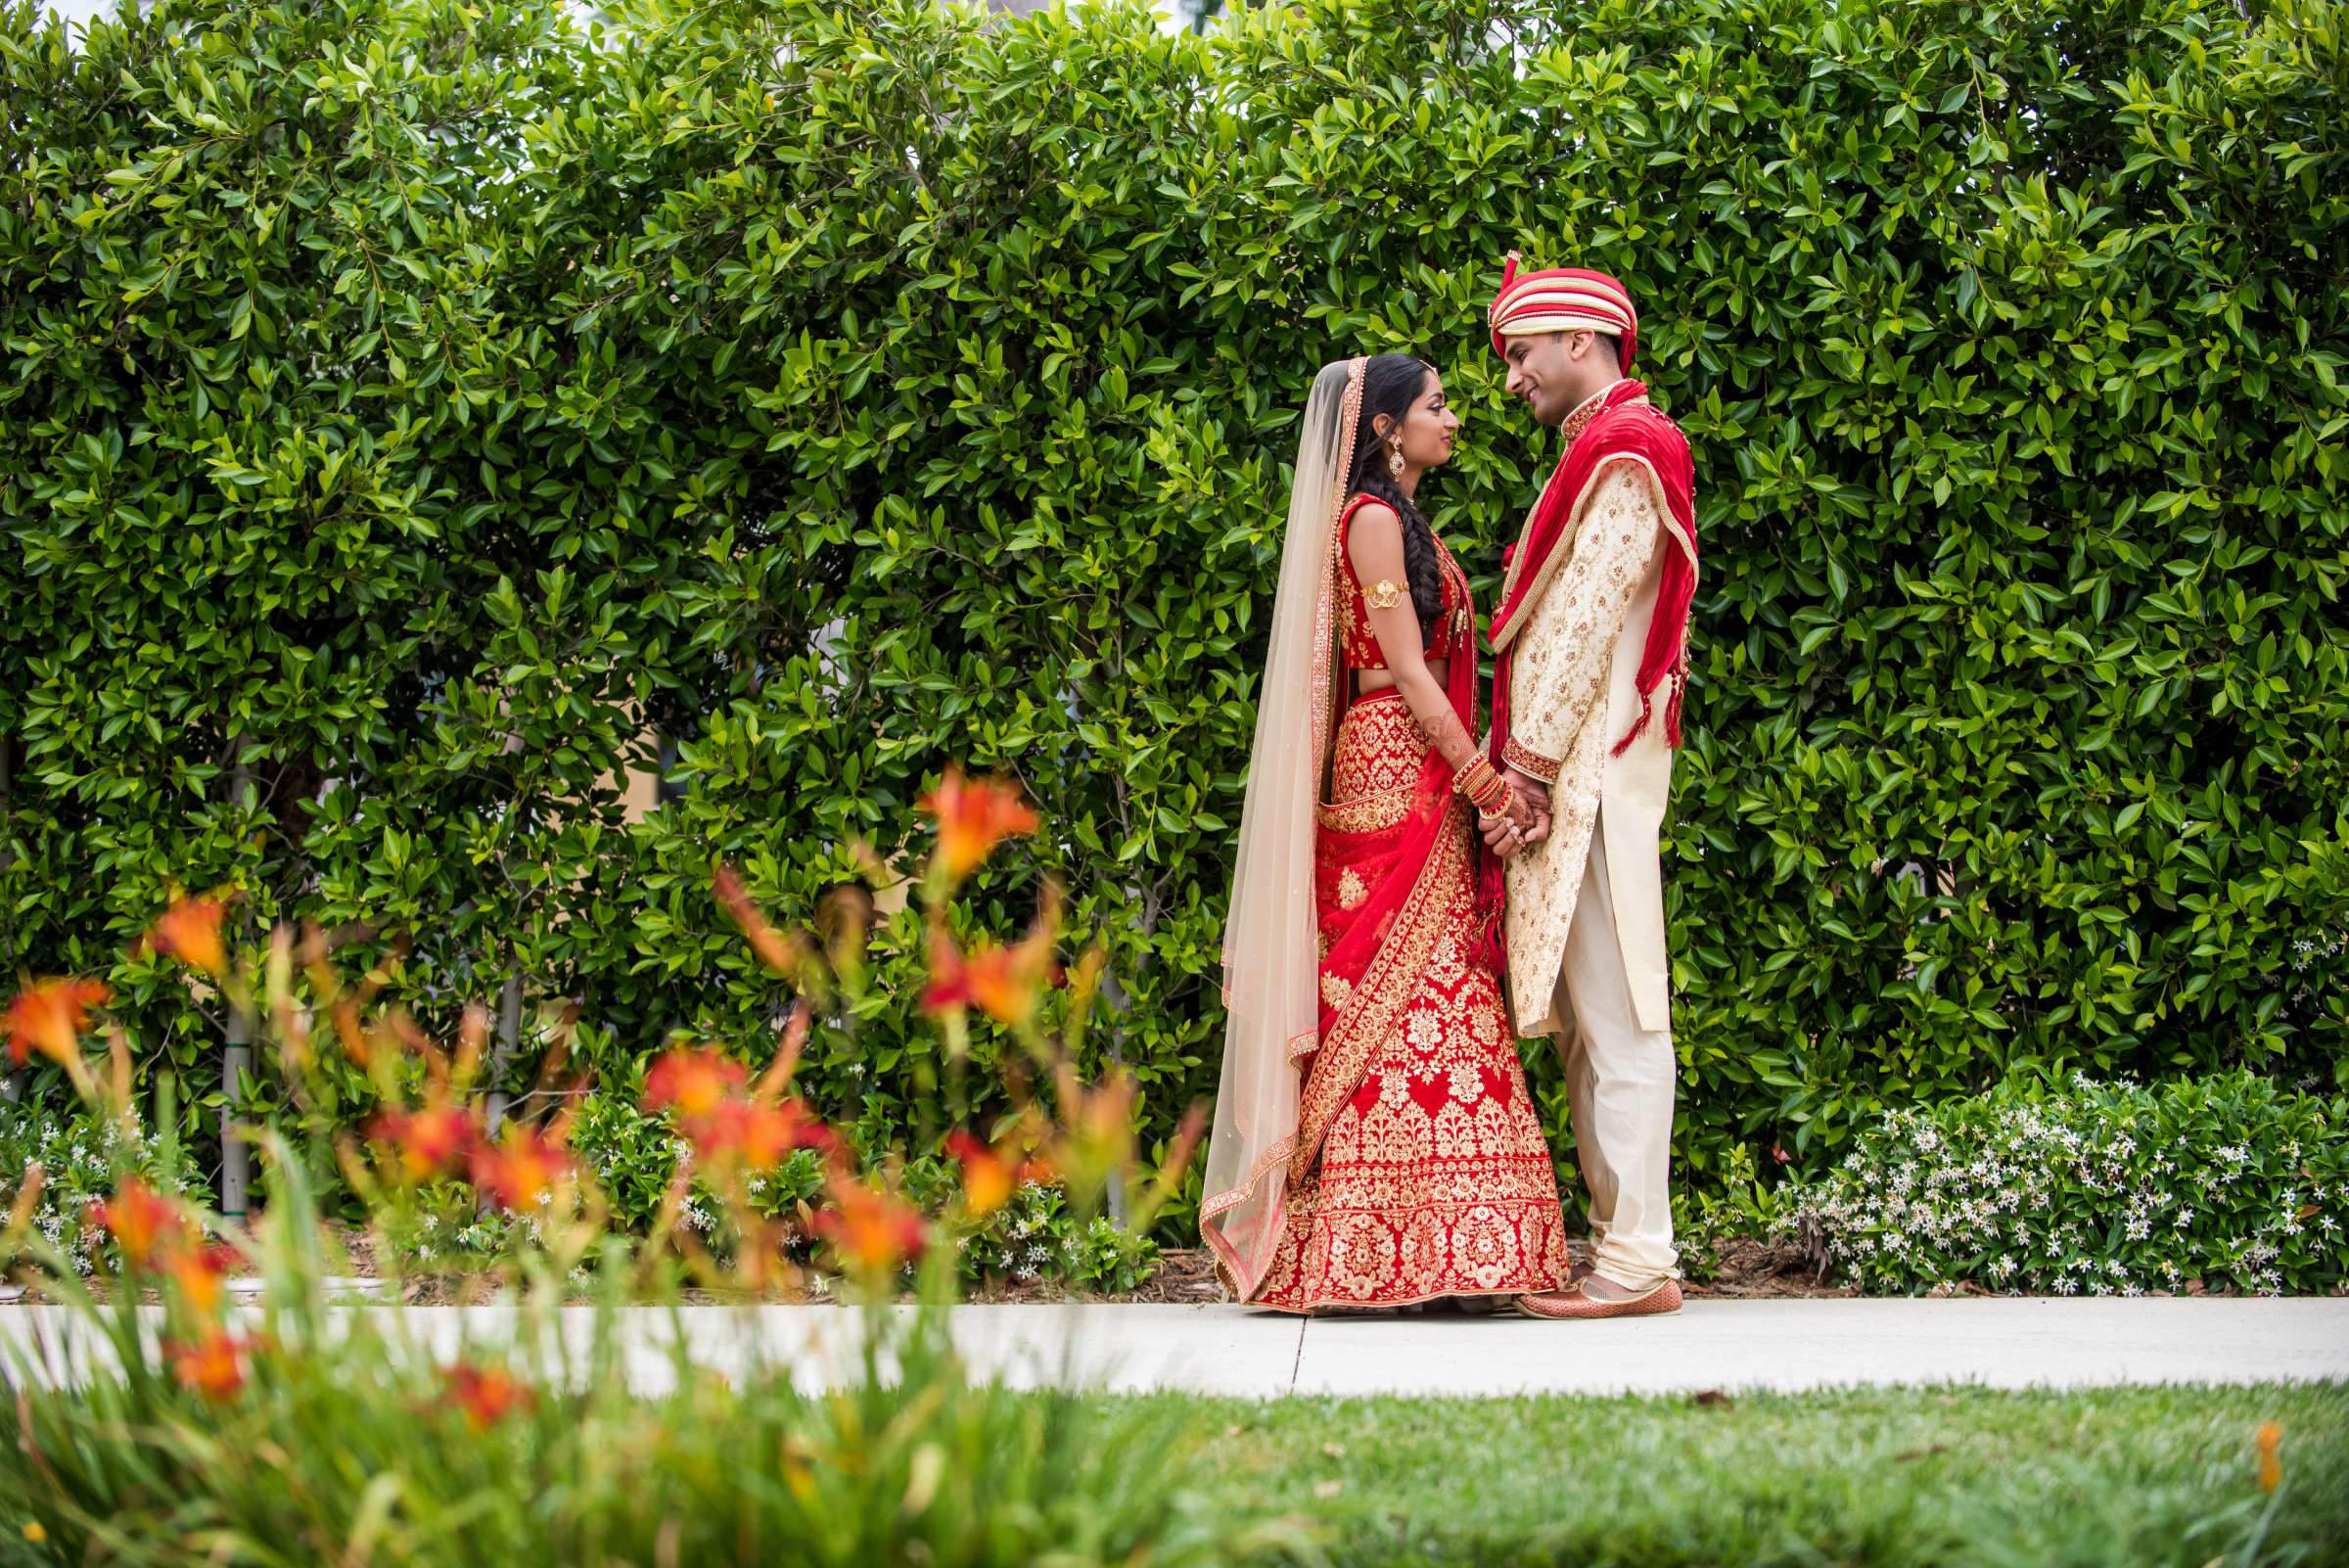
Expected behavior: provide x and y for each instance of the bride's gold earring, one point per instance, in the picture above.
(1394, 458)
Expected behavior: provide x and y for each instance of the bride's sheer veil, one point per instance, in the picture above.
(1271, 951)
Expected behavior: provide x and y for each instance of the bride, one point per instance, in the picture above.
(1375, 1144)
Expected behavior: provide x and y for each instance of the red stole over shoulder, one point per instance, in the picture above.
(1625, 426)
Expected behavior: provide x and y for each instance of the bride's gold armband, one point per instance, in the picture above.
(1382, 595)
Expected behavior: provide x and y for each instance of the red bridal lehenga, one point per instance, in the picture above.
(1401, 1159)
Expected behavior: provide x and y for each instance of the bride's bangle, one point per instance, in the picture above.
(1482, 783)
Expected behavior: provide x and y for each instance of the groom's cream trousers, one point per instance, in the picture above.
(1620, 1080)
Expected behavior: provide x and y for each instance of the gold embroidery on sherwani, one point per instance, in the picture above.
(1557, 706)
(1529, 761)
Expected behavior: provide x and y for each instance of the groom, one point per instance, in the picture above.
(1591, 637)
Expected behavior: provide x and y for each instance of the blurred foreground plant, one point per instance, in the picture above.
(531, 1444)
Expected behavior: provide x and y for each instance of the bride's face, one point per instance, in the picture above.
(1428, 427)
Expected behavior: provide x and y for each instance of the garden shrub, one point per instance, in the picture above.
(2094, 1187)
(80, 1155)
(419, 416)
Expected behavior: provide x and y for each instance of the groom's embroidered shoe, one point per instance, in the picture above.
(1575, 1303)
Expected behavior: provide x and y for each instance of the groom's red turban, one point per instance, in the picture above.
(1562, 300)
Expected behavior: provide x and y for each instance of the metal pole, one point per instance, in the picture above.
(501, 1055)
(236, 1168)
(12, 1087)
(236, 1059)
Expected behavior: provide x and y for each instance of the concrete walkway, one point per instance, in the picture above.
(2009, 1342)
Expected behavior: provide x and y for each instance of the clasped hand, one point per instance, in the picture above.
(1525, 823)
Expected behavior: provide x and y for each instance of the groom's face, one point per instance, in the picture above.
(1542, 372)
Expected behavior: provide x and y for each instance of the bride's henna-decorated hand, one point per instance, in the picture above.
(1496, 830)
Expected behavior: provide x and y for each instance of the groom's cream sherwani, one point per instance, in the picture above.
(1585, 907)
(1571, 698)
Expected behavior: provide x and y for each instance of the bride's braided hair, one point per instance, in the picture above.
(1391, 384)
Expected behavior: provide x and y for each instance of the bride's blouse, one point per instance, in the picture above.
(1358, 643)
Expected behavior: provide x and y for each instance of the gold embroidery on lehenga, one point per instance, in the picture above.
(1365, 815)
(1375, 774)
(1420, 1167)
(1351, 890)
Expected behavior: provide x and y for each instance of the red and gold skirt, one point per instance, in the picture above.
(1421, 1170)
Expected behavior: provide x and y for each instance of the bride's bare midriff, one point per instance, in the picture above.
(1367, 681)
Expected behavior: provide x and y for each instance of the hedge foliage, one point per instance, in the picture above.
(413, 408)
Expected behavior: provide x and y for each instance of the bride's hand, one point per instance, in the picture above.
(1516, 829)
(1501, 836)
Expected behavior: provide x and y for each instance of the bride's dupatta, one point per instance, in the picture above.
(1300, 1025)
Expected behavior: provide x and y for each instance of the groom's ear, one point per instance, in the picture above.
(1593, 343)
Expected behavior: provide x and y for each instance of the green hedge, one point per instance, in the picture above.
(412, 406)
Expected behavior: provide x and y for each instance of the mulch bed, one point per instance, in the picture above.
(1747, 1270)
(1751, 1269)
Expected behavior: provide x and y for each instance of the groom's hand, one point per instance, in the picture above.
(1536, 796)
(1535, 793)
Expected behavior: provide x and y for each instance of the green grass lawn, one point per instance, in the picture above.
(1957, 1476)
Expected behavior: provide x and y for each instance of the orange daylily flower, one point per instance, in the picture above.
(876, 1232)
(695, 1083)
(762, 1134)
(990, 1174)
(430, 1141)
(48, 1016)
(520, 1171)
(147, 1225)
(190, 932)
(346, 1014)
(1009, 982)
(1006, 982)
(214, 1367)
(1096, 1125)
(949, 985)
(198, 1272)
(2271, 1461)
(486, 1395)
(973, 817)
